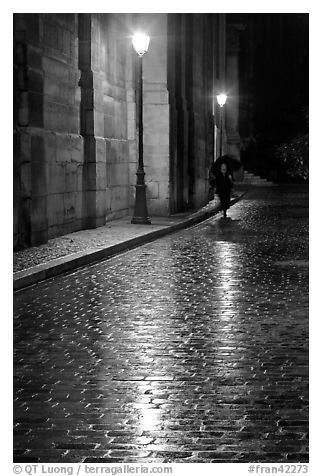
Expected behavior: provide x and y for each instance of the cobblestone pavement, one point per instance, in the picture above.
(193, 348)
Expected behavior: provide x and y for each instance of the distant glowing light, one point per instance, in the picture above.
(221, 99)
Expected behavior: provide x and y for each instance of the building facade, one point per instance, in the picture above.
(75, 120)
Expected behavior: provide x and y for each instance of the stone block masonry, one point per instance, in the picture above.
(48, 146)
(75, 120)
(156, 119)
(72, 79)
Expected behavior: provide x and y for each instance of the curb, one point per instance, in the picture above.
(68, 263)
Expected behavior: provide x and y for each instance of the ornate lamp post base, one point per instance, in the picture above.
(140, 216)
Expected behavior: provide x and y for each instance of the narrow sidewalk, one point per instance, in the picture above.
(85, 247)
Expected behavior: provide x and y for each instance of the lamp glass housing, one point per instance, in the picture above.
(221, 99)
(140, 43)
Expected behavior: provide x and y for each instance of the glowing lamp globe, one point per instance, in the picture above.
(140, 43)
(221, 99)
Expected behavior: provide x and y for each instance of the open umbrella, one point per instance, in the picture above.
(233, 164)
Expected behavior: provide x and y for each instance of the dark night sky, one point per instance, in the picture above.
(279, 78)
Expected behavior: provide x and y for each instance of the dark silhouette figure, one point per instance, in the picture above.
(222, 181)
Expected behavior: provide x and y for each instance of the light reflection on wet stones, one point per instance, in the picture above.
(192, 348)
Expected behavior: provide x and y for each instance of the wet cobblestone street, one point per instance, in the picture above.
(192, 348)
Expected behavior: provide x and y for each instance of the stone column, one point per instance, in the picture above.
(131, 118)
(232, 81)
(91, 123)
(30, 168)
(156, 114)
(184, 111)
(179, 120)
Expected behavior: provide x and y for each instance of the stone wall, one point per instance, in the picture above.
(112, 66)
(156, 116)
(75, 130)
(73, 108)
(201, 107)
(191, 82)
(47, 146)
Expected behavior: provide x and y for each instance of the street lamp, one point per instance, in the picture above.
(221, 99)
(140, 43)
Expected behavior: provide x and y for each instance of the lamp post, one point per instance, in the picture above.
(221, 99)
(140, 43)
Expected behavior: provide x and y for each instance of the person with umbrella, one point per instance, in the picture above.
(220, 177)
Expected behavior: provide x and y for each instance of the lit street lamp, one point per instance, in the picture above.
(221, 99)
(140, 43)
